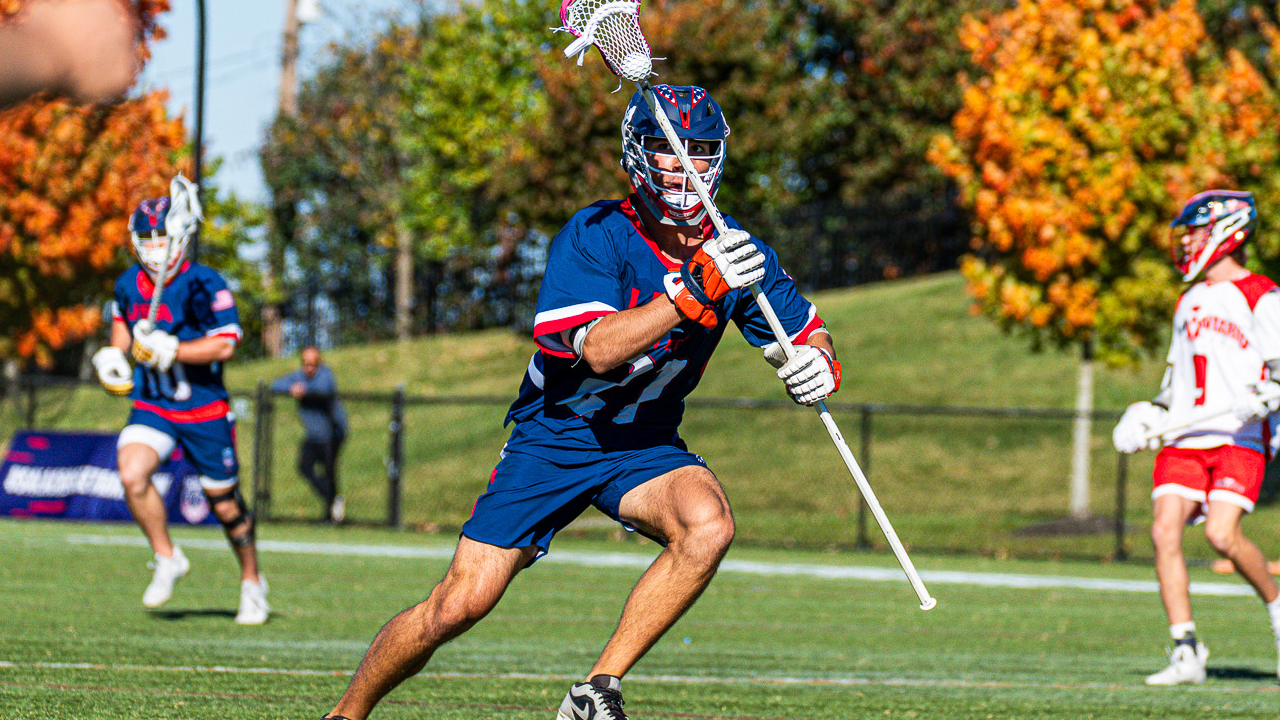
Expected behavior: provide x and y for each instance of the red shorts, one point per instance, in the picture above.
(1229, 473)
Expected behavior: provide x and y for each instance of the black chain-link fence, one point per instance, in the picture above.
(981, 480)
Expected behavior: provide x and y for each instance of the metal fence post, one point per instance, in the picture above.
(865, 461)
(261, 478)
(1122, 478)
(30, 416)
(396, 461)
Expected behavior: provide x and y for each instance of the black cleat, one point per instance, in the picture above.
(598, 699)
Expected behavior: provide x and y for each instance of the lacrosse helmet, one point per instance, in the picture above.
(151, 239)
(1211, 226)
(694, 116)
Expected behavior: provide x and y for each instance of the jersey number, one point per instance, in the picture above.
(587, 401)
(1201, 364)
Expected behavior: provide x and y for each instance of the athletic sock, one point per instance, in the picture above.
(1273, 609)
(1183, 633)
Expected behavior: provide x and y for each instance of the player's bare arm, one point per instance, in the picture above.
(120, 337)
(620, 336)
(205, 350)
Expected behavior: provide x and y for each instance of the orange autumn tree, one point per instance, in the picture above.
(69, 177)
(1093, 121)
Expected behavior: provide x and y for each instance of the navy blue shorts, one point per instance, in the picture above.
(540, 486)
(210, 445)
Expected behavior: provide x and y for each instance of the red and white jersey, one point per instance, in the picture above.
(1223, 335)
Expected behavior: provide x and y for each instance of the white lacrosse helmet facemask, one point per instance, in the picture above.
(651, 164)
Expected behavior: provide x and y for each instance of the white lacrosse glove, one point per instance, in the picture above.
(738, 259)
(1138, 421)
(185, 212)
(1259, 400)
(154, 347)
(811, 374)
(114, 371)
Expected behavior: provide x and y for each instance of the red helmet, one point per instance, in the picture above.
(1211, 226)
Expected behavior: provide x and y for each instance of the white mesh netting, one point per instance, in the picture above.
(614, 27)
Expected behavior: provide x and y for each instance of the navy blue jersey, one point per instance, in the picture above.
(601, 262)
(196, 303)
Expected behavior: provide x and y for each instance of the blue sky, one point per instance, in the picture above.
(242, 75)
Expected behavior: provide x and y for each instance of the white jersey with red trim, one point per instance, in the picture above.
(1223, 335)
(196, 303)
(601, 263)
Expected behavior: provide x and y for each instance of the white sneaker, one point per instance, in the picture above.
(253, 602)
(168, 571)
(1186, 666)
(600, 698)
(338, 512)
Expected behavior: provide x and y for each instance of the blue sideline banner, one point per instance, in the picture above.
(72, 476)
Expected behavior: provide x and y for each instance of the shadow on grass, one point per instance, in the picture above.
(183, 614)
(1239, 673)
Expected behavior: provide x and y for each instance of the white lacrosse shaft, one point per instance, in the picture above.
(179, 185)
(1204, 417)
(160, 282)
(926, 600)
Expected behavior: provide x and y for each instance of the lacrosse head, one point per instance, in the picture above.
(613, 26)
(1211, 226)
(653, 168)
(185, 212)
(148, 228)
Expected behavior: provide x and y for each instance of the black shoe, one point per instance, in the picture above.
(598, 699)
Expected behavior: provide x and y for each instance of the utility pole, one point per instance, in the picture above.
(283, 203)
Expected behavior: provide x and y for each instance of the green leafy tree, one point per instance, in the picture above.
(340, 165)
(229, 239)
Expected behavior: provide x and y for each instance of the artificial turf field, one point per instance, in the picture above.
(779, 634)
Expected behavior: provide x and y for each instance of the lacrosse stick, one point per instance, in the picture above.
(613, 26)
(184, 216)
(1270, 392)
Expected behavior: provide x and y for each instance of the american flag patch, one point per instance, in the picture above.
(222, 300)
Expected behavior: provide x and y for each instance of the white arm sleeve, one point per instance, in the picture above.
(1266, 318)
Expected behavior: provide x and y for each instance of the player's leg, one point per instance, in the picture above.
(1187, 656)
(1171, 513)
(138, 454)
(1222, 528)
(136, 463)
(1237, 483)
(473, 585)
(210, 446)
(1181, 481)
(228, 506)
(687, 509)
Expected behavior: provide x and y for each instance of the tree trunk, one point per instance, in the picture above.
(270, 313)
(404, 281)
(1081, 435)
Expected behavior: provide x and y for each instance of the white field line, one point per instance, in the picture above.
(634, 560)
(673, 679)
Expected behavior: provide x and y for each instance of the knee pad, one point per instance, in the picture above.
(242, 517)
